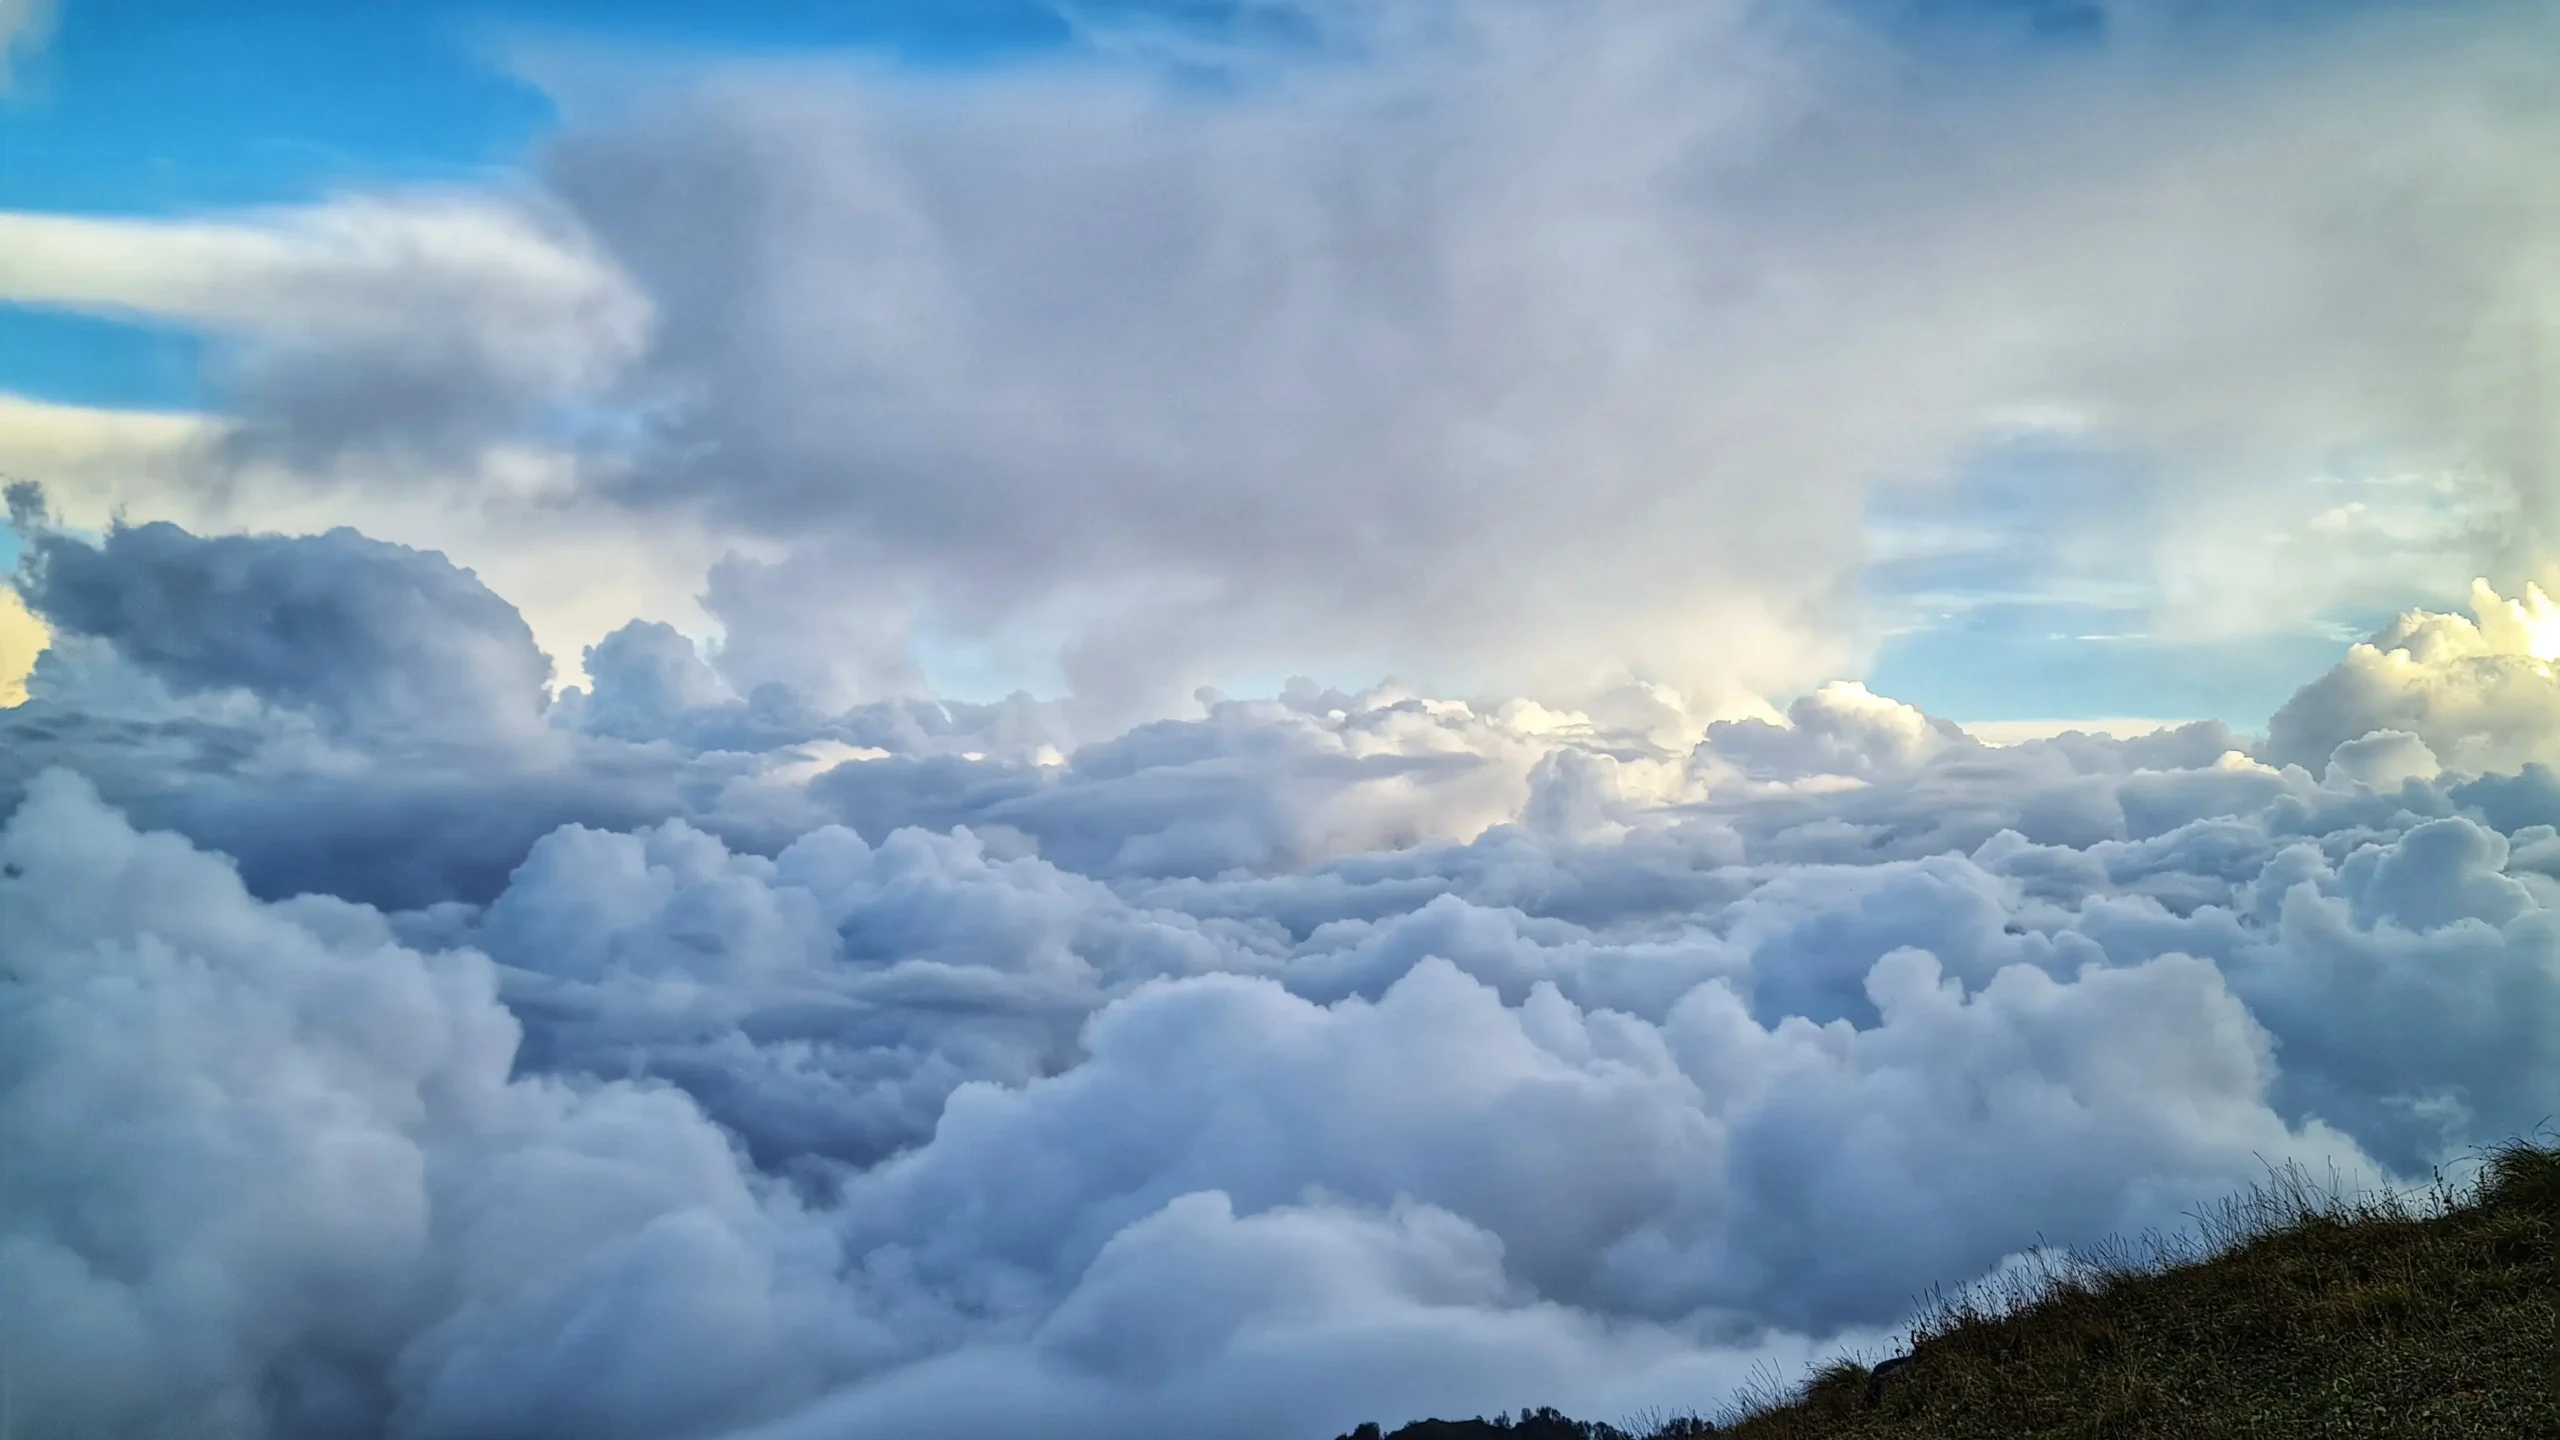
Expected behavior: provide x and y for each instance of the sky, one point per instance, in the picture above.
(795, 722)
(1987, 568)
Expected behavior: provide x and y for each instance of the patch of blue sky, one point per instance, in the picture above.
(177, 106)
(173, 106)
(2007, 590)
(2071, 22)
(2038, 514)
(75, 359)
(2083, 23)
(2010, 661)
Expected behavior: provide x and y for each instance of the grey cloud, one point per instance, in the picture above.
(2446, 942)
(645, 678)
(394, 709)
(345, 716)
(368, 1200)
(824, 1002)
(858, 646)
(1498, 341)
(363, 635)
(439, 322)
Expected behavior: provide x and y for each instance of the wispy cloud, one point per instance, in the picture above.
(25, 25)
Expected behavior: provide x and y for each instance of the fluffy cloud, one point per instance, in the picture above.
(1318, 1058)
(363, 636)
(2479, 694)
(372, 1211)
(396, 707)
(345, 715)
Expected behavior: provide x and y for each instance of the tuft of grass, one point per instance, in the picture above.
(2297, 1309)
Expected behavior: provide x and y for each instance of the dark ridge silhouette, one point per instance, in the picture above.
(1540, 1424)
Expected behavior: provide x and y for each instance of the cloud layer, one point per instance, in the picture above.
(913, 1069)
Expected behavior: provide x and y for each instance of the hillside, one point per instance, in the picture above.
(2295, 1312)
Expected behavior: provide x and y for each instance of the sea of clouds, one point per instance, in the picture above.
(390, 1048)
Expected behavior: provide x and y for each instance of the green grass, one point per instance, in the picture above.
(2293, 1311)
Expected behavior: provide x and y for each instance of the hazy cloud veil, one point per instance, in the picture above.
(406, 1032)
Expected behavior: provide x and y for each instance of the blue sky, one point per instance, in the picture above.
(161, 105)
(179, 107)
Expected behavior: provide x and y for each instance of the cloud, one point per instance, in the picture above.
(1507, 350)
(577, 569)
(22, 638)
(418, 365)
(2478, 695)
(345, 715)
(645, 677)
(362, 635)
(25, 25)
(1010, 1100)
(1497, 343)
(395, 707)
(372, 1205)
(897, 972)
(436, 319)
(1441, 1050)
(83, 449)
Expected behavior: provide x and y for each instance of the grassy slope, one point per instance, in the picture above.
(2299, 1314)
